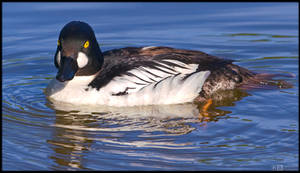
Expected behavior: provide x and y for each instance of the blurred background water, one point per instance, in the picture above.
(253, 130)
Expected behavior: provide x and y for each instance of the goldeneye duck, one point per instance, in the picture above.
(136, 75)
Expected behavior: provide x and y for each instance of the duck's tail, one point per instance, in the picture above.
(267, 81)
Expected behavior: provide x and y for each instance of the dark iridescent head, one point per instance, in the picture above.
(78, 52)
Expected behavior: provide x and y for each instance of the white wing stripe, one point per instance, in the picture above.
(176, 62)
(132, 79)
(165, 67)
(158, 72)
(138, 74)
(148, 75)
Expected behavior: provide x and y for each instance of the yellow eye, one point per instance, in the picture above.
(86, 44)
(58, 43)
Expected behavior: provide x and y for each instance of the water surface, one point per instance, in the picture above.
(253, 130)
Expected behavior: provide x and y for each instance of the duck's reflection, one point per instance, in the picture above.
(69, 144)
(77, 128)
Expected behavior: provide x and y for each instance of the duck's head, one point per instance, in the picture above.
(78, 52)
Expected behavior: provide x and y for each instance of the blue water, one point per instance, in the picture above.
(253, 130)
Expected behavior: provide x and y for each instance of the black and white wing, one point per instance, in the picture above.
(166, 81)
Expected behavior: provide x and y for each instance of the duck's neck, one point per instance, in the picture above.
(81, 80)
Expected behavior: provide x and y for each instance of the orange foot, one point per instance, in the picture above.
(206, 106)
(203, 113)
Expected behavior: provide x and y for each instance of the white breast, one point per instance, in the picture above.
(71, 92)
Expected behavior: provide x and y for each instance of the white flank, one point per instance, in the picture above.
(172, 90)
(82, 60)
(146, 86)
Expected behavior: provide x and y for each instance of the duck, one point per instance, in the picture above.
(135, 76)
